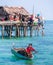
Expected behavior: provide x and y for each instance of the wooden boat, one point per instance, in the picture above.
(20, 53)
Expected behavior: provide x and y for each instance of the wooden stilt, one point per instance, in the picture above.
(42, 31)
(10, 31)
(30, 30)
(21, 31)
(2, 31)
(25, 30)
(18, 31)
(37, 30)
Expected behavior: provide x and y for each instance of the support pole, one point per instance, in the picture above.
(25, 30)
(42, 31)
(17, 31)
(31, 30)
(10, 30)
(2, 31)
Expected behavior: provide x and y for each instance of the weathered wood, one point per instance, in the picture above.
(30, 30)
(21, 28)
(25, 30)
(2, 31)
(42, 31)
(10, 31)
(17, 31)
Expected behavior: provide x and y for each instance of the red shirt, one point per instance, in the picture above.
(29, 49)
(11, 18)
(3, 19)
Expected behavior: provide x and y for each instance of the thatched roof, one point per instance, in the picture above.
(13, 10)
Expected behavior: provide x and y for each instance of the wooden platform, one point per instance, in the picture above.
(19, 27)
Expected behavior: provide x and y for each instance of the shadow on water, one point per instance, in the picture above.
(29, 62)
(26, 62)
(14, 58)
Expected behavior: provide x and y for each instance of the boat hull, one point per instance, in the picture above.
(19, 55)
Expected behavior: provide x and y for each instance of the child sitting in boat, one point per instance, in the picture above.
(30, 49)
(26, 52)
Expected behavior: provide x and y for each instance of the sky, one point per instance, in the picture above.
(42, 7)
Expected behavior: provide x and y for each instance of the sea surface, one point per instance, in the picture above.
(43, 45)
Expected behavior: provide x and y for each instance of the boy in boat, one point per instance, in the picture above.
(30, 49)
(26, 52)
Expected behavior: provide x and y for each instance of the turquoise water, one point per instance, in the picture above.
(44, 46)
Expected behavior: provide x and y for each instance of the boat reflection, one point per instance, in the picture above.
(29, 62)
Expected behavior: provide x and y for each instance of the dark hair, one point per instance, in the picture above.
(30, 44)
